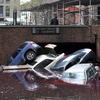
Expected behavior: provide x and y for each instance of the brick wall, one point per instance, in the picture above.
(12, 37)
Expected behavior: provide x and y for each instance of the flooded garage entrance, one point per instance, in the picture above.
(64, 92)
(71, 47)
(9, 86)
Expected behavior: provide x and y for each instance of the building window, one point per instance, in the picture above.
(7, 1)
(1, 1)
(98, 13)
(1, 11)
(7, 11)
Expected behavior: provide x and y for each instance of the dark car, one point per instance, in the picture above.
(25, 53)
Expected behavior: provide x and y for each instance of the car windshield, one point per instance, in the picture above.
(41, 67)
(75, 58)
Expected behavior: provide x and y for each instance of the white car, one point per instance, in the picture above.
(81, 74)
(47, 67)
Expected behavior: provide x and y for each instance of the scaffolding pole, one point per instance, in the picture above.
(80, 11)
(63, 13)
(90, 11)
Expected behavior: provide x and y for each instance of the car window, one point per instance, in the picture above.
(69, 61)
(15, 53)
(70, 64)
(43, 64)
(23, 45)
(18, 50)
(40, 67)
(89, 58)
(71, 75)
(75, 60)
(90, 72)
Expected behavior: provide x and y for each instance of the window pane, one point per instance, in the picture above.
(69, 75)
(55, 8)
(1, 1)
(60, 6)
(7, 1)
(7, 11)
(90, 72)
(72, 75)
(1, 11)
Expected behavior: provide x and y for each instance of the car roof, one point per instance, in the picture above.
(79, 67)
(71, 56)
(86, 50)
(29, 42)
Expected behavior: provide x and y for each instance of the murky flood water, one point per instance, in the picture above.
(12, 89)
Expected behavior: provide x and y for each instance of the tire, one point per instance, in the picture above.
(30, 77)
(30, 55)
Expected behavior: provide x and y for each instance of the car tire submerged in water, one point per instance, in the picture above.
(30, 55)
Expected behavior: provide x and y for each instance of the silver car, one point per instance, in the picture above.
(47, 67)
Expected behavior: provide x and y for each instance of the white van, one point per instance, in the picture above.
(80, 74)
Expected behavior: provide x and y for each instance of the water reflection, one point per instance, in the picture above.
(28, 86)
(12, 89)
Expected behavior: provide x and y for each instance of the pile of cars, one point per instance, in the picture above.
(46, 65)
(64, 67)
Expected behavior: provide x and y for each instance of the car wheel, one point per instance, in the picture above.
(30, 77)
(30, 55)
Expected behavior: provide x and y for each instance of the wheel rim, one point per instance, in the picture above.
(30, 78)
(30, 56)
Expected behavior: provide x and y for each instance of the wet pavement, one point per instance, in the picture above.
(12, 89)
